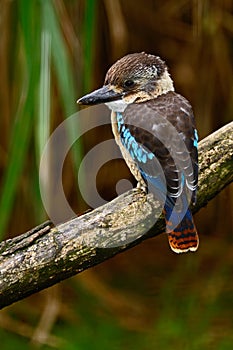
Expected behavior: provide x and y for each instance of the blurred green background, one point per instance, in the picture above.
(51, 53)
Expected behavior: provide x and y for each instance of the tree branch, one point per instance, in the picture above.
(46, 255)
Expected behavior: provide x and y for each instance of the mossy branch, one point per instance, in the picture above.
(46, 255)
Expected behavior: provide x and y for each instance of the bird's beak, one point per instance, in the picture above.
(102, 95)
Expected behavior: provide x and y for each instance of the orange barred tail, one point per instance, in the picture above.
(183, 241)
(184, 237)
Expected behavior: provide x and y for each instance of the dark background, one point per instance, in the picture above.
(147, 297)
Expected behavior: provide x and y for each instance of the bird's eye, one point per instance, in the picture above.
(129, 83)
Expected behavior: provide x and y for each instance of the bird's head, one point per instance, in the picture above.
(134, 78)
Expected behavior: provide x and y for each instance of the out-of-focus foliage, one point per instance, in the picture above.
(37, 49)
(51, 53)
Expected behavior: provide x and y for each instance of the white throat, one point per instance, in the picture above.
(117, 106)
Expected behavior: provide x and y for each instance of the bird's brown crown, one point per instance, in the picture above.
(139, 73)
(136, 65)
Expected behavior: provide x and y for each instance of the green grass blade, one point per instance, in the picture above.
(21, 130)
(62, 68)
(60, 57)
(43, 120)
(89, 42)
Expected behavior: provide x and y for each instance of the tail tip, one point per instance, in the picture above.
(183, 243)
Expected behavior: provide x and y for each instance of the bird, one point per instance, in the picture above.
(155, 128)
